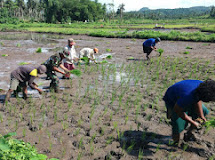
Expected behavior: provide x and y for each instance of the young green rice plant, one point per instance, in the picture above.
(108, 50)
(76, 72)
(188, 47)
(4, 55)
(24, 132)
(1, 118)
(160, 51)
(77, 131)
(186, 52)
(109, 57)
(140, 154)
(39, 50)
(1, 43)
(18, 45)
(24, 63)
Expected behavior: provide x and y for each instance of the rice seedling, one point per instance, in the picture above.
(76, 72)
(109, 57)
(188, 47)
(186, 52)
(39, 50)
(108, 50)
(18, 45)
(4, 55)
(24, 63)
(160, 51)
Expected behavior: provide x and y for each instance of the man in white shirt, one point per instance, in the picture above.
(72, 56)
(89, 53)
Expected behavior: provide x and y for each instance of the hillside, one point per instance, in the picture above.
(175, 13)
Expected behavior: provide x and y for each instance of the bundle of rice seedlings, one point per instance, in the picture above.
(23, 63)
(109, 57)
(76, 72)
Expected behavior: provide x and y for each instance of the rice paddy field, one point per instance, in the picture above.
(111, 111)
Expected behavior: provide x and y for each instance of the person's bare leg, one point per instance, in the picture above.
(25, 92)
(7, 98)
(176, 139)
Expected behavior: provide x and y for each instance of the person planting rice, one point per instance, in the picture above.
(52, 65)
(149, 46)
(71, 57)
(22, 75)
(89, 53)
(184, 105)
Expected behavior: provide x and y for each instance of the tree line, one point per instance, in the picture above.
(51, 11)
(67, 11)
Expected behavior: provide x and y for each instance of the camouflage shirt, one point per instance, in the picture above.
(53, 61)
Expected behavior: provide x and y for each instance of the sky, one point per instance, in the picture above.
(135, 5)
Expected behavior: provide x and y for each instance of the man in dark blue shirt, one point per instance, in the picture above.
(184, 99)
(149, 45)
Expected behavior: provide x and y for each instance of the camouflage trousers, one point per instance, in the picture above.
(54, 85)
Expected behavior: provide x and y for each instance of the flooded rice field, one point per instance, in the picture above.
(114, 110)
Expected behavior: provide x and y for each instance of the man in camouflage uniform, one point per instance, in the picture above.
(52, 65)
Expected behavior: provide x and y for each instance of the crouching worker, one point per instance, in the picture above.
(52, 65)
(89, 53)
(71, 57)
(23, 74)
(184, 105)
(149, 46)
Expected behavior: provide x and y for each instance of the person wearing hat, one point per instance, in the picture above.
(23, 74)
(52, 65)
(149, 46)
(72, 56)
(89, 53)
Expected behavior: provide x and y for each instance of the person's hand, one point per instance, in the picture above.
(204, 119)
(40, 91)
(197, 125)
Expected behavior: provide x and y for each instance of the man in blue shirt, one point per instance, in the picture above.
(149, 45)
(184, 100)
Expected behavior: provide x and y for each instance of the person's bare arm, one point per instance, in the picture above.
(199, 110)
(58, 70)
(180, 112)
(64, 68)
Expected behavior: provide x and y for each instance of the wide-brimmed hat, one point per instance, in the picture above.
(41, 69)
